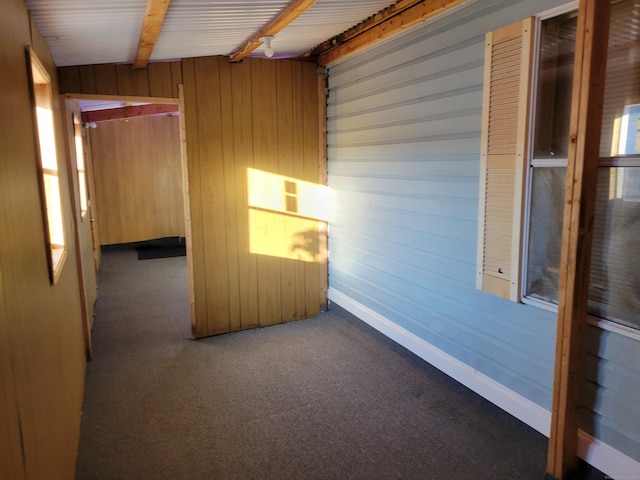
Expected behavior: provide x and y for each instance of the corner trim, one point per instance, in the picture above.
(602, 456)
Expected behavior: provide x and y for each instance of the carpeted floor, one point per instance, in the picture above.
(325, 398)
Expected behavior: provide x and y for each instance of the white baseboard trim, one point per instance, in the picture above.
(600, 455)
(606, 458)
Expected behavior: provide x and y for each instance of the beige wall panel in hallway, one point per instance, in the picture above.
(41, 346)
(253, 157)
(257, 154)
(138, 178)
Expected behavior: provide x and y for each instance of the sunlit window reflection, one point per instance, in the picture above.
(285, 216)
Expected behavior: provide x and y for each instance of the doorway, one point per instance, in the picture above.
(129, 185)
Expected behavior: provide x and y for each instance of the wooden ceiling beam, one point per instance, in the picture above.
(151, 26)
(389, 21)
(127, 112)
(284, 18)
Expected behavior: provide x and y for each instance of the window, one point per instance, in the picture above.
(80, 165)
(48, 166)
(614, 287)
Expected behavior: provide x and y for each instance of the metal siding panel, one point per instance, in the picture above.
(403, 146)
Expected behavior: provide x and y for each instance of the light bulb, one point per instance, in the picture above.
(268, 49)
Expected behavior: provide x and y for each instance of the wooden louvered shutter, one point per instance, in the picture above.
(505, 119)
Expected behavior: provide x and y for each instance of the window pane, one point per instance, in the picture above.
(545, 233)
(614, 284)
(622, 88)
(555, 79)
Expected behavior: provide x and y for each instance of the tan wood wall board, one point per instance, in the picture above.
(212, 175)
(160, 82)
(131, 81)
(62, 330)
(93, 218)
(298, 172)
(45, 336)
(138, 173)
(187, 207)
(88, 79)
(286, 223)
(12, 53)
(265, 150)
(242, 122)
(234, 287)
(11, 457)
(81, 228)
(104, 183)
(176, 76)
(106, 80)
(199, 328)
(10, 449)
(231, 195)
(70, 79)
(311, 158)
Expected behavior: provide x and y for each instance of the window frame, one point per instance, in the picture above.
(617, 160)
(53, 216)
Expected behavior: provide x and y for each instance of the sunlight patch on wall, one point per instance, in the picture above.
(286, 216)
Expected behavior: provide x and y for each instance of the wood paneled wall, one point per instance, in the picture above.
(261, 115)
(138, 175)
(41, 345)
(157, 80)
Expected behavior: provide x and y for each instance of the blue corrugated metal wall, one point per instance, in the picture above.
(404, 120)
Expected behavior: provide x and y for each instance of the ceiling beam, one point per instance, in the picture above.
(284, 18)
(151, 26)
(127, 112)
(389, 21)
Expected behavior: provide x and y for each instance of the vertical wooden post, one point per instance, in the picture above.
(579, 207)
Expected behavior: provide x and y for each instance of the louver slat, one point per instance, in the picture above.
(504, 131)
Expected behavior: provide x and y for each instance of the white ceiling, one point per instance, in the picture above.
(82, 32)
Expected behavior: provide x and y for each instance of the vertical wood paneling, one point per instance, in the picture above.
(199, 325)
(257, 114)
(82, 227)
(230, 195)
(40, 329)
(286, 225)
(132, 81)
(298, 114)
(213, 197)
(106, 79)
(138, 170)
(176, 77)
(70, 80)
(241, 79)
(88, 79)
(160, 81)
(265, 151)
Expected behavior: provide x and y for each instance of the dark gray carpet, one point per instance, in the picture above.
(326, 398)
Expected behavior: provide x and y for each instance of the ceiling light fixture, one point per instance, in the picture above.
(268, 49)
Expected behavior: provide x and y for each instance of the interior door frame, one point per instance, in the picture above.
(185, 191)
